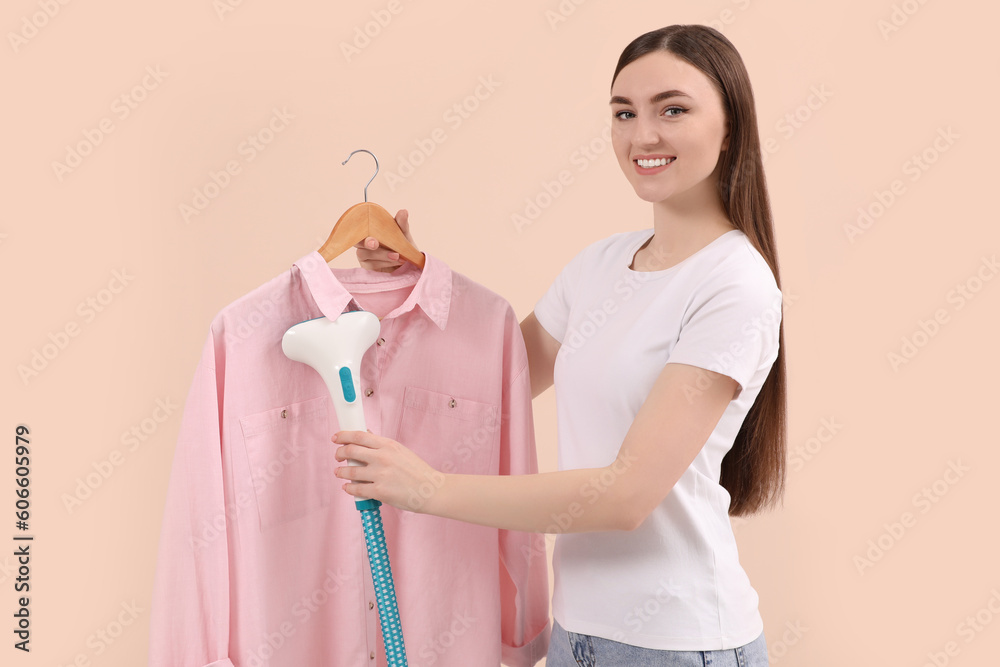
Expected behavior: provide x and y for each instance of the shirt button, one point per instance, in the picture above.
(284, 414)
(369, 391)
(371, 605)
(372, 656)
(380, 341)
(451, 403)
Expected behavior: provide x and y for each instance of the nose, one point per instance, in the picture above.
(646, 131)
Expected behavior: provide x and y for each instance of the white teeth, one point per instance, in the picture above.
(658, 162)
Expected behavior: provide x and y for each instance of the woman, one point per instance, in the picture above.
(665, 349)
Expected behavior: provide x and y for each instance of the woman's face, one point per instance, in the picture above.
(663, 108)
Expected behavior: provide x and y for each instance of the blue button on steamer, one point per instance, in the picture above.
(347, 384)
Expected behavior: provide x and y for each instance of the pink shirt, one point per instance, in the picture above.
(262, 556)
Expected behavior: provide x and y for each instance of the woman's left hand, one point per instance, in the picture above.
(391, 473)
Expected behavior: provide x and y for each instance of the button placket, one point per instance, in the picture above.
(371, 620)
(379, 358)
(370, 374)
(372, 366)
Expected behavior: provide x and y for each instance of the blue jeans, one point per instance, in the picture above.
(568, 649)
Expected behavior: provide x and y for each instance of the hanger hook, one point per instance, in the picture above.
(376, 168)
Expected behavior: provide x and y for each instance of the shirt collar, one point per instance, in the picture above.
(432, 291)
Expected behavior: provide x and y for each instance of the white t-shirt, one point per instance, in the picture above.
(675, 582)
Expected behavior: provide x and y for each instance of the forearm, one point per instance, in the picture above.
(568, 501)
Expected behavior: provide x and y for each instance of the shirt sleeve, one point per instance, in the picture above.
(731, 327)
(524, 570)
(189, 617)
(552, 310)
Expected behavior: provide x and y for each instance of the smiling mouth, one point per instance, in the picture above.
(655, 162)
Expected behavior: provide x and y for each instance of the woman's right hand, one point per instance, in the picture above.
(374, 256)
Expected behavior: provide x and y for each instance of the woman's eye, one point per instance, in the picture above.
(618, 115)
(668, 109)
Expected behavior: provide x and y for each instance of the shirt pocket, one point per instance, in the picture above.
(291, 459)
(451, 433)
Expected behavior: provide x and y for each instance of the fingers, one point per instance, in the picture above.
(403, 220)
(352, 452)
(357, 489)
(353, 473)
(359, 477)
(374, 256)
(367, 243)
(366, 439)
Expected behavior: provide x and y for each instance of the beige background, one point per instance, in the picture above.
(223, 72)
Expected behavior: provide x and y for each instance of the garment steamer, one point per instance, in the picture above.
(334, 350)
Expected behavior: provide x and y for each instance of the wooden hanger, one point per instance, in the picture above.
(368, 219)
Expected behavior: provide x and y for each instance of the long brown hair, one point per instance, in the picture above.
(753, 471)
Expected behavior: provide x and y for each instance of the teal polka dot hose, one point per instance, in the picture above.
(385, 592)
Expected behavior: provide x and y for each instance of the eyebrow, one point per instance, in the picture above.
(659, 97)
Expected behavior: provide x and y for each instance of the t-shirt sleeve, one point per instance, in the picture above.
(552, 310)
(731, 327)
